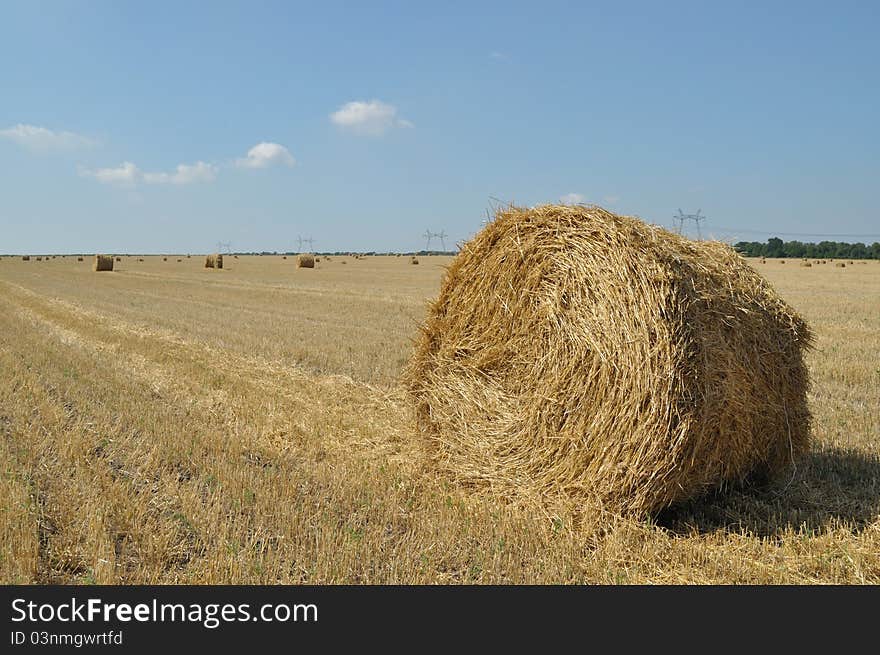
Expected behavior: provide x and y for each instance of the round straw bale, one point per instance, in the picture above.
(119, 259)
(25, 258)
(214, 261)
(79, 259)
(806, 264)
(305, 261)
(103, 263)
(572, 351)
(840, 265)
(414, 260)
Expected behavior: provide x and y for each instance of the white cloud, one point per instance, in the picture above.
(372, 118)
(184, 174)
(266, 154)
(43, 139)
(571, 199)
(498, 56)
(127, 174)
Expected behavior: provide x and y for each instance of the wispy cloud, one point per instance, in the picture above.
(370, 118)
(266, 154)
(42, 139)
(498, 56)
(184, 174)
(611, 200)
(571, 199)
(127, 174)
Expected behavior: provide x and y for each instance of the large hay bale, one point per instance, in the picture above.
(305, 261)
(214, 261)
(576, 352)
(103, 263)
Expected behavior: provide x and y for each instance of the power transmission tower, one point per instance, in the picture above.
(696, 218)
(311, 243)
(435, 235)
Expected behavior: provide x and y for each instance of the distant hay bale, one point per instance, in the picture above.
(235, 256)
(575, 352)
(214, 261)
(305, 261)
(284, 257)
(79, 259)
(39, 259)
(781, 261)
(103, 263)
(25, 258)
(414, 260)
(164, 259)
(840, 265)
(806, 264)
(119, 259)
(763, 261)
(140, 259)
(179, 260)
(317, 259)
(343, 261)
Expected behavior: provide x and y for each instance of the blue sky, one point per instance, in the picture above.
(127, 126)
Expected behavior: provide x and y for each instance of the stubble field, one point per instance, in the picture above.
(164, 423)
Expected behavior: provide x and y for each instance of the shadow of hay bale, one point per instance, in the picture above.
(833, 487)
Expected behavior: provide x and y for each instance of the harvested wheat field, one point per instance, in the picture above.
(250, 425)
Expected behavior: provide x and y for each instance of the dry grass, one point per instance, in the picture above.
(276, 446)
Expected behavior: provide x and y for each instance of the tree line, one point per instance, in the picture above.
(776, 247)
